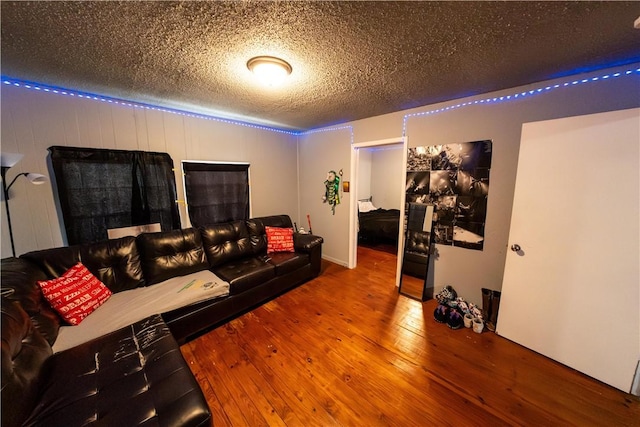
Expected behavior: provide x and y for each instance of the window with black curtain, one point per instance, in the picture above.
(216, 192)
(99, 189)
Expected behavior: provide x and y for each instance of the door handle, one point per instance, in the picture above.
(516, 247)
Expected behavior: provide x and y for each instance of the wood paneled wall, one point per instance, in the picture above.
(33, 120)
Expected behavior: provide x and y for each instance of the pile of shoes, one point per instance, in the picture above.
(456, 312)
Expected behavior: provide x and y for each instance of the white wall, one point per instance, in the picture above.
(364, 174)
(32, 121)
(386, 173)
(320, 152)
(379, 171)
(468, 270)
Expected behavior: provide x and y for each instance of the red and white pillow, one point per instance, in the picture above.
(75, 294)
(279, 239)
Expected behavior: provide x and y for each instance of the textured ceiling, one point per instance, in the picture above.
(350, 60)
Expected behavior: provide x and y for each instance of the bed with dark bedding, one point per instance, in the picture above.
(379, 225)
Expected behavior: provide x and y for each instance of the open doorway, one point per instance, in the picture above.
(377, 204)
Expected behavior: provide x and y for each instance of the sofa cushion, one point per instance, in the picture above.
(135, 304)
(133, 376)
(55, 261)
(20, 283)
(245, 273)
(171, 253)
(226, 242)
(257, 233)
(286, 262)
(24, 352)
(279, 239)
(75, 294)
(115, 262)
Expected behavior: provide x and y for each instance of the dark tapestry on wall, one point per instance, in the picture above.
(455, 178)
(101, 189)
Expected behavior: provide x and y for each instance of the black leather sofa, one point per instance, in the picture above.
(135, 375)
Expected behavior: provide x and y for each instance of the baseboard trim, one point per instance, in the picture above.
(336, 261)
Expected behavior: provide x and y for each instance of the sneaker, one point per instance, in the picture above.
(441, 313)
(455, 320)
(446, 294)
(462, 306)
(475, 311)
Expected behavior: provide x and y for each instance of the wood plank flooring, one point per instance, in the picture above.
(346, 349)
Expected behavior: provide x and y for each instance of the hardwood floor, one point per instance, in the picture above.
(346, 349)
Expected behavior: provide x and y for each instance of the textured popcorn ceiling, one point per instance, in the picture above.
(350, 60)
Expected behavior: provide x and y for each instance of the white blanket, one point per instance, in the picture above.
(126, 307)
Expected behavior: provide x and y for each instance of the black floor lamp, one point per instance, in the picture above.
(7, 161)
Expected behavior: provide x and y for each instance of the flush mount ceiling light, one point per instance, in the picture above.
(270, 70)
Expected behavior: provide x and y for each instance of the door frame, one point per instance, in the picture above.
(353, 201)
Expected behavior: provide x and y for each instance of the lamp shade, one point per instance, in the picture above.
(7, 160)
(36, 178)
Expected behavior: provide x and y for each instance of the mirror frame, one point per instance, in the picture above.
(426, 228)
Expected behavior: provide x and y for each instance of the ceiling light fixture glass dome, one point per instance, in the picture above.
(270, 70)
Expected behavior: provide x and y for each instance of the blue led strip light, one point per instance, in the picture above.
(326, 129)
(84, 95)
(491, 100)
(519, 95)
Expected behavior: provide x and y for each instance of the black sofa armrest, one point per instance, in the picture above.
(312, 245)
(19, 279)
(24, 353)
(306, 242)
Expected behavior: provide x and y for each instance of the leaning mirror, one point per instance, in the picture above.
(417, 249)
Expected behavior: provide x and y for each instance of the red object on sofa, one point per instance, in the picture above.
(75, 294)
(279, 239)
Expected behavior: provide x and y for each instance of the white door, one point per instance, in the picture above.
(573, 290)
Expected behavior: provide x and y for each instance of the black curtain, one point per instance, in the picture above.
(99, 189)
(216, 192)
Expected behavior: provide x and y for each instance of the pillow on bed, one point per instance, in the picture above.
(365, 206)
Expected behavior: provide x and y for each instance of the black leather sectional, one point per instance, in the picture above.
(135, 375)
